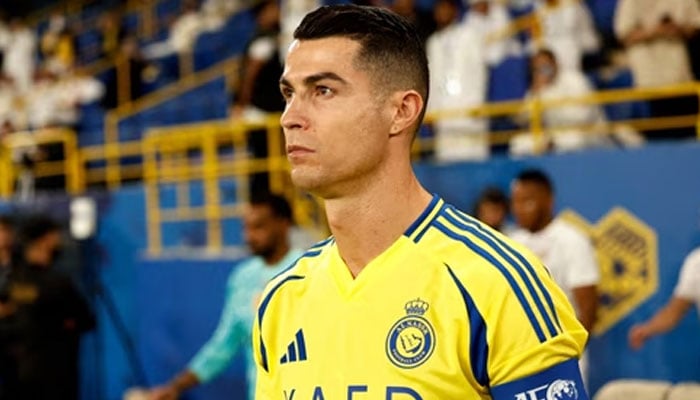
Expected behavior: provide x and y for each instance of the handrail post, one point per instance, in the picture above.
(274, 146)
(212, 207)
(155, 245)
(536, 126)
(112, 151)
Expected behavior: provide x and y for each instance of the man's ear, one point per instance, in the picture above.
(408, 106)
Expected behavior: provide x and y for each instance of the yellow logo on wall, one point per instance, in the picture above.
(626, 250)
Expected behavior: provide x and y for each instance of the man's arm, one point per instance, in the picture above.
(586, 298)
(260, 52)
(663, 321)
(216, 354)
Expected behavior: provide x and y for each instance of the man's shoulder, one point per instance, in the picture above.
(561, 229)
(304, 264)
(692, 260)
(471, 248)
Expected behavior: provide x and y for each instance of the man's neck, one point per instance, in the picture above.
(277, 256)
(543, 225)
(365, 224)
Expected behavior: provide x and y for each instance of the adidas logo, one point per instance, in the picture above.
(296, 351)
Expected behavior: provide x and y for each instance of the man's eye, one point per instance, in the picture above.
(286, 93)
(324, 90)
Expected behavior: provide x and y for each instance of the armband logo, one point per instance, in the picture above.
(562, 390)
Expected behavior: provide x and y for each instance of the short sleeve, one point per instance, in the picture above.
(529, 323)
(583, 268)
(688, 286)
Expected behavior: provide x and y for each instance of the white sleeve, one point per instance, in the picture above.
(688, 286)
(583, 267)
(587, 34)
(262, 49)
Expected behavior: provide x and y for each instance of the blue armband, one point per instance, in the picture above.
(560, 382)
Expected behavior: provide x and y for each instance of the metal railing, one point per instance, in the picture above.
(207, 153)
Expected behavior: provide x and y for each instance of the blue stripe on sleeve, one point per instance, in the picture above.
(478, 345)
(527, 280)
(523, 261)
(263, 307)
(506, 274)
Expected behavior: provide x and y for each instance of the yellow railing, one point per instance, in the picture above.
(17, 143)
(212, 152)
(196, 153)
(114, 150)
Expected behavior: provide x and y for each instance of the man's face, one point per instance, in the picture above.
(531, 205)
(335, 126)
(262, 230)
(544, 69)
(492, 213)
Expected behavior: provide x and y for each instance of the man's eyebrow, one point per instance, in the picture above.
(311, 79)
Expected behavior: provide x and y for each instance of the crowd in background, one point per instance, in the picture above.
(41, 84)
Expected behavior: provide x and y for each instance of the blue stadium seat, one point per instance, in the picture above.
(620, 111)
(508, 80)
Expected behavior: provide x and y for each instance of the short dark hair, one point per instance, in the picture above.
(536, 176)
(494, 195)
(545, 52)
(36, 227)
(390, 45)
(278, 205)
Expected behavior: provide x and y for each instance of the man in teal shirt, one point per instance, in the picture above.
(266, 225)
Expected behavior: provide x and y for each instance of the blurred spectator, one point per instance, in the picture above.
(183, 33)
(567, 253)
(54, 101)
(258, 93)
(259, 88)
(492, 209)
(423, 20)
(458, 75)
(291, 14)
(47, 318)
(490, 21)
(111, 33)
(266, 225)
(57, 45)
(19, 62)
(130, 63)
(216, 12)
(549, 82)
(686, 293)
(567, 28)
(655, 34)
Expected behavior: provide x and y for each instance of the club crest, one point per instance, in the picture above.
(411, 340)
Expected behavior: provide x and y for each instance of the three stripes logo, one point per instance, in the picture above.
(296, 350)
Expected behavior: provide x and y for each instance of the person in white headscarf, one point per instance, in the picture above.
(459, 78)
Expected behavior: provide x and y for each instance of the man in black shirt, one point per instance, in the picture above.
(48, 315)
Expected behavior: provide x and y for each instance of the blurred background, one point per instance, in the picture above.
(143, 128)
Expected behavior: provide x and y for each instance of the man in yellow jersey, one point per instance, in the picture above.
(410, 298)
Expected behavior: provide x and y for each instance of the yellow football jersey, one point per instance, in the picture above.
(451, 310)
